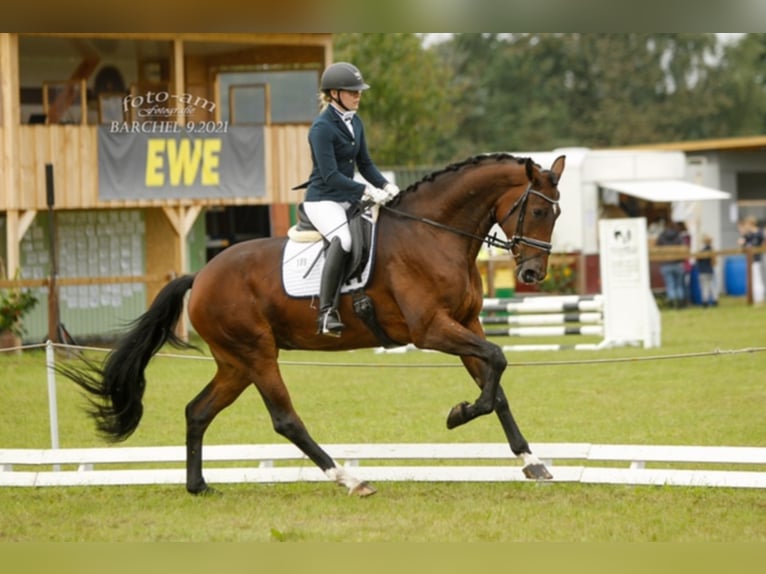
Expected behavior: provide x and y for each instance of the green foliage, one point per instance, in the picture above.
(517, 92)
(408, 110)
(14, 304)
(561, 279)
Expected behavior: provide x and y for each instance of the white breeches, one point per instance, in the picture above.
(329, 217)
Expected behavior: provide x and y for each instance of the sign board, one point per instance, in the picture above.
(165, 160)
(631, 316)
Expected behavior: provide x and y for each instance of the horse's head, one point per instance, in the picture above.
(527, 219)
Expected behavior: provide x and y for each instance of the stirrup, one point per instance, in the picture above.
(329, 323)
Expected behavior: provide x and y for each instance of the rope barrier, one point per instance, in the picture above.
(713, 353)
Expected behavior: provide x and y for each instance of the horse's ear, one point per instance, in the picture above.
(529, 165)
(558, 166)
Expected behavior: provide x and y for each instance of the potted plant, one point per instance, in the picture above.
(14, 304)
(560, 280)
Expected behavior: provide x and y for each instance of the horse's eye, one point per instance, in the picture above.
(538, 212)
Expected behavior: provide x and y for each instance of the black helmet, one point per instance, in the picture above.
(343, 76)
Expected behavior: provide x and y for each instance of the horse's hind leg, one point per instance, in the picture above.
(287, 423)
(223, 390)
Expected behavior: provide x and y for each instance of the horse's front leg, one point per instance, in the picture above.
(533, 466)
(486, 370)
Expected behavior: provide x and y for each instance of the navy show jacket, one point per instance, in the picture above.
(335, 154)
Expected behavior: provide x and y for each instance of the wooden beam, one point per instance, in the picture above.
(301, 39)
(177, 71)
(182, 218)
(10, 118)
(68, 95)
(17, 223)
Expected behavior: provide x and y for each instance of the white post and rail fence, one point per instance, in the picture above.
(671, 465)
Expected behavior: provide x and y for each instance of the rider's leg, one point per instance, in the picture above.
(330, 220)
(329, 289)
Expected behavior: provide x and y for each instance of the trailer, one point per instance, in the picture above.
(659, 185)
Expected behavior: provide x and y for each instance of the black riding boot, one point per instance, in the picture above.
(329, 290)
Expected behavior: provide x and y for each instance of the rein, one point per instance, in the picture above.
(492, 241)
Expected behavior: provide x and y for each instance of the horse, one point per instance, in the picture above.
(425, 287)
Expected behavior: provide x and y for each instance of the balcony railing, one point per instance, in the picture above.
(73, 151)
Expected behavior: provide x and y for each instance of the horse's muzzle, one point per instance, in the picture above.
(530, 272)
(530, 276)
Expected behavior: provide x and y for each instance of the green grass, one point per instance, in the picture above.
(716, 400)
(413, 512)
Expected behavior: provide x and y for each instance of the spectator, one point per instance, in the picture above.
(686, 239)
(751, 236)
(673, 271)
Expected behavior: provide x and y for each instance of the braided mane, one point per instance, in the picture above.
(454, 167)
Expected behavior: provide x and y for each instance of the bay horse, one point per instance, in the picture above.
(426, 290)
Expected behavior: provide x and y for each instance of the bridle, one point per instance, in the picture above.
(518, 238)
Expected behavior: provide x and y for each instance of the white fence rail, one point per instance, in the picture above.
(627, 464)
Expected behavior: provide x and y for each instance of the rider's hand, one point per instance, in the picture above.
(376, 195)
(392, 190)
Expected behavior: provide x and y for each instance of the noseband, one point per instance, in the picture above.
(518, 237)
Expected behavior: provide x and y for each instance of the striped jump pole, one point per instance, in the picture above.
(553, 331)
(545, 316)
(543, 319)
(554, 347)
(544, 304)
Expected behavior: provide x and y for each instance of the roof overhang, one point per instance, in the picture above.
(666, 190)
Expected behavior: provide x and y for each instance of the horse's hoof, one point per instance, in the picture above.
(537, 472)
(456, 416)
(363, 489)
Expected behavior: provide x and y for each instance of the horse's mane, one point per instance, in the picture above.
(457, 166)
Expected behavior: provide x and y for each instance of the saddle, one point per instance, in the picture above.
(361, 224)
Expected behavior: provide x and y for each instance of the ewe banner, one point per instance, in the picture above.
(166, 160)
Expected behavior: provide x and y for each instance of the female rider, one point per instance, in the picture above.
(338, 147)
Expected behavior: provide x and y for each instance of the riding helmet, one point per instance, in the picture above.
(343, 76)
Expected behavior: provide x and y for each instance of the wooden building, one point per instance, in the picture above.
(59, 96)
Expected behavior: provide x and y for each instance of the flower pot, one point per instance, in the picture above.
(9, 340)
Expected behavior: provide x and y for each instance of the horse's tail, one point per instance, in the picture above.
(117, 385)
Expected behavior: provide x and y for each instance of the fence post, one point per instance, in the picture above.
(50, 363)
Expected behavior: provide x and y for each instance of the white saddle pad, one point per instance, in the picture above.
(297, 261)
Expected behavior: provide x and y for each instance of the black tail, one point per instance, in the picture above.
(117, 385)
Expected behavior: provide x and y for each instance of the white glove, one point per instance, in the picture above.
(392, 190)
(375, 195)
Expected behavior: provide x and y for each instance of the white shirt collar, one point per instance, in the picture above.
(346, 116)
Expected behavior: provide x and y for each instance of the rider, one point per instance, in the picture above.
(338, 146)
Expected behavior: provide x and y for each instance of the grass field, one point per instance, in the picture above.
(366, 397)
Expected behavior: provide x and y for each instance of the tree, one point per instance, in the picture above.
(540, 91)
(407, 111)
(477, 93)
(638, 88)
(741, 88)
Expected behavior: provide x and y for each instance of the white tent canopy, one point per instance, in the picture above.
(665, 190)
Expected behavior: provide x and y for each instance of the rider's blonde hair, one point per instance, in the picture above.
(324, 100)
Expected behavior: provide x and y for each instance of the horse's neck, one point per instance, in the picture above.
(466, 204)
